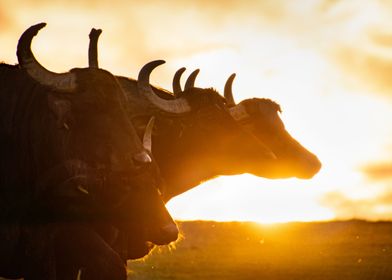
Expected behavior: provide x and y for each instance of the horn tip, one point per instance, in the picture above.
(35, 28)
(156, 63)
(147, 68)
(180, 71)
(40, 25)
(95, 32)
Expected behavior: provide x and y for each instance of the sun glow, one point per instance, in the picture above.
(228, 199)
(324, 117)
(327, 64)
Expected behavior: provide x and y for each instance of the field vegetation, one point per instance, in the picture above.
(247, 251)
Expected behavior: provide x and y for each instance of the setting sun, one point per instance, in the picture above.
(271, 201)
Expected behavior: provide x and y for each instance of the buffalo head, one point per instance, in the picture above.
(196, 138)
(94, 147)
(261, 117)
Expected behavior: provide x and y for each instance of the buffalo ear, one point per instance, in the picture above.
(60, 108)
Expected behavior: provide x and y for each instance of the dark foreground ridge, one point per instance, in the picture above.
(247, 251)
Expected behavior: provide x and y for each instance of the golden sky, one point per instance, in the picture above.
(327, 62)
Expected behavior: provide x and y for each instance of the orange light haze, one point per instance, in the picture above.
(327, 63)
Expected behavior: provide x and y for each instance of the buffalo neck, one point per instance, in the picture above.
(25, 134)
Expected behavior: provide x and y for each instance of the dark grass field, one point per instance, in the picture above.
(226, 251)
(352, 250)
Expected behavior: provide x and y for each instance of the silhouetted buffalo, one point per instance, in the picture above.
(70, 159)
(260, 117)
(181, 111)
(195, 138)
(192, 139)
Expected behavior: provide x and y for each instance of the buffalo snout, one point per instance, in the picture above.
(167, 234)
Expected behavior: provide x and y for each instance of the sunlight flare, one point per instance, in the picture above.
(327, 64)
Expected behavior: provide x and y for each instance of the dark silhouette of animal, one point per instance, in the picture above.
(193, 141)
(195, 138)
(257, 116)
(70, 159)
(260, 116)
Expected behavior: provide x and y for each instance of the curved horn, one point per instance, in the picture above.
(62, 82)
(93, 48)
(176, 81)
(228, 93)
(177, 106)
(190, 82)
(147, 142)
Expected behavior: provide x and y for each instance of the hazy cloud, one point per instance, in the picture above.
(380, 171)
(377, 208)
(382, 39)
(361, 45)
(5, 19)
(271, 10)
(368, 69)
(326, 5)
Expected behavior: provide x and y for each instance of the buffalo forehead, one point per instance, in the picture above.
(98, 87)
